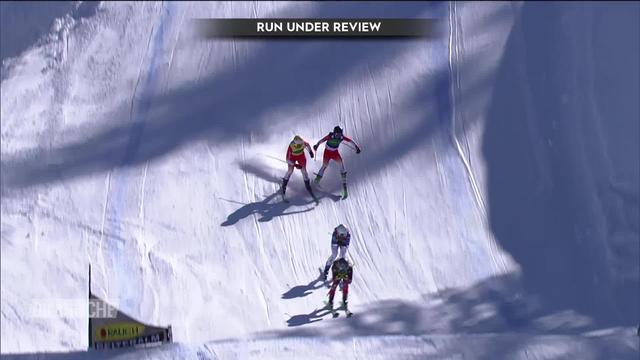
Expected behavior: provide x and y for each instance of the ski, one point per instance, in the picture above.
(334, 312)
(317, 185)
(322, 276)
(307, 184)
(331, 196)
(281, 190)
(346, 310)
(319, 188)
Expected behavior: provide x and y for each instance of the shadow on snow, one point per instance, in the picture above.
(216, 110)
(553, 204)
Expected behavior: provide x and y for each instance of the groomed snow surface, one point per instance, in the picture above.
(494, 209)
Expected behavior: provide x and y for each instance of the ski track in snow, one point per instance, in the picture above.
(455, 87)
(479, 255)
(123, 257)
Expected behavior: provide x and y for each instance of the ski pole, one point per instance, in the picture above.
(349, 146)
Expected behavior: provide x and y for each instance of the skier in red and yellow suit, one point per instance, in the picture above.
(297, 159)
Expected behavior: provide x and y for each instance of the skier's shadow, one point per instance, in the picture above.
(321, 192)
(268, 209)
(328, 193)
(271, 206)
(302, 290)
(302, 319)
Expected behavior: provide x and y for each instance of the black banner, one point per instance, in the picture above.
(276, 28)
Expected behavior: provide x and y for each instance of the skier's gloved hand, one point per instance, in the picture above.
(315, 147)
(311, 154)
(298, 166)
(358, 150)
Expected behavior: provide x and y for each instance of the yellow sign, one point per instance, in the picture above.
(119, 331)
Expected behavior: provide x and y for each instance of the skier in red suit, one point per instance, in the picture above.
(297, 159)
(333, 140)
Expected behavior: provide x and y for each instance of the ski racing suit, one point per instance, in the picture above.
(338, 250)
(297, 159)
(331, 152)
(340, 276)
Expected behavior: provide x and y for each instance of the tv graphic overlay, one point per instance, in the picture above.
(110, 328)
(278, 28)
(123, 331)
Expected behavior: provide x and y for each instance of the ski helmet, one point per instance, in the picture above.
(337, 130)
(298, 140)
(341, 231)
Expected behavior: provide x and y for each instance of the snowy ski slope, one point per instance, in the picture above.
(493, 210)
